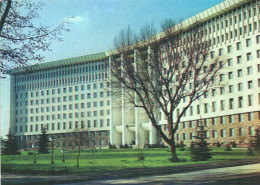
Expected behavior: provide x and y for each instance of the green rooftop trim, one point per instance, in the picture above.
(68, 61)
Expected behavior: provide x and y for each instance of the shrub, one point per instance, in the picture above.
(173, 160)
(228, 148)
(182, 146)
(30, 153)
(141, 156)
(233, 144)
(249, 151)
(218, 144)
(111, 146)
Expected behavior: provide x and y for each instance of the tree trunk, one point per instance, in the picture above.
(3, 18)
(78, 156)
(174, 157)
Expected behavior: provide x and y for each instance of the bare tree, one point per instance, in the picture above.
(20, 37)
(156, 72)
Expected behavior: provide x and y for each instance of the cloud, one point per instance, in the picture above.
(77, 19)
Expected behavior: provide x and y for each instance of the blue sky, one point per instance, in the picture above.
(95, 24)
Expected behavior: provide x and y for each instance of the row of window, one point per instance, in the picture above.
(64, 89)
(63, 116)
(94, 66)
(64, 99)
(64, 126)
(231, 102)
(214, 133)
(60, 82)
(222, 120)
(88, 134)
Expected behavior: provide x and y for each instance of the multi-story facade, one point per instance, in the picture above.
(74, 94)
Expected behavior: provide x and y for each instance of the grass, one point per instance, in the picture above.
(106, 160)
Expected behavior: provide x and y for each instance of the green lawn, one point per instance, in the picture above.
(106, 160)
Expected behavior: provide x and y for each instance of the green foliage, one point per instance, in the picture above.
(228, 148)
(182, 146)
(250, 151)
(255, 141)
(199, 150)
(43, 143)
(141, 156)
(99, 161)
(11, 147)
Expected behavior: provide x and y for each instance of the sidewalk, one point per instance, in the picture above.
(27, 179)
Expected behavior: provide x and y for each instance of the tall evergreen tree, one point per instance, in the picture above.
(255, 142)
(199, 150)
(43, 142)
(11, 147)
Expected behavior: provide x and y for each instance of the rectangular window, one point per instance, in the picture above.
(241, 131)
(240, 117)
(240, 102)
(250, 116)
(231, 103)
(239, 73)
(214, 121)
(230, 88)
(250, 84)
(231, 132)
(248, 42)
(251, 131)
(229, 49)
(239, 59)
(213, 106)
(239, 86)
(230, 63)
(205, 108)
(250, 100)
(238, 45)
(249, 70)
(248, 56)
(230, 75)
(223, 134)
(222, 120)
(222, 105)
(231, 118)
(222, 90)
(214, 133)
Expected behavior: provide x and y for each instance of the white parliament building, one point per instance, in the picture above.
(75, 93)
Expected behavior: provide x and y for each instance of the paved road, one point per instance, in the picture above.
(246, 174)
(214, 174)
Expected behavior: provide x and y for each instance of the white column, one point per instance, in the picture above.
(12, 104)
(152, 130)
(123, 107)
(136, 109)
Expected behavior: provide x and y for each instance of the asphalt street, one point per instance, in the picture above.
(246, 174)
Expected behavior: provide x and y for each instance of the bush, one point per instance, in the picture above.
(218, 144)
(111, 146)
(173, 160)
(30, 153)
(228, 148)
(182, 146)
(234, 144)
(249, 151)
(141, 157)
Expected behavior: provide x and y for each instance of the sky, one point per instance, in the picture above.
(95, 23)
